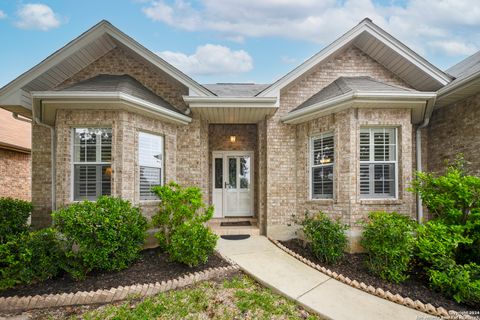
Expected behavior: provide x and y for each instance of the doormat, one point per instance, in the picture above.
(235, 236)
(235, 224)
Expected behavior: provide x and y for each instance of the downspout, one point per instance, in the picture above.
(418, 149)
(53, 147)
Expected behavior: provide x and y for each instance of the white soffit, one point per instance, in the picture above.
(78, 54)
(459, 89)
(383, 48)
(232, 109)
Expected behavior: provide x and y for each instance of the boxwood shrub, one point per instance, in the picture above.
(14, 215)
(106, 235)
(389, 241)
(328, 239)
(30, 257)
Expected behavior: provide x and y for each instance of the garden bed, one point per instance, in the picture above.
(352, 266)
(152, 266)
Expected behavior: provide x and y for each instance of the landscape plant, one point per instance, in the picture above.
(14, 214)
(389, 240)
(107, 234)
(181, 222)
(327, 237)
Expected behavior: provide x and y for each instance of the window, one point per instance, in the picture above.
(92, 155)
(150, 154)
(378, 162)
(322, 161)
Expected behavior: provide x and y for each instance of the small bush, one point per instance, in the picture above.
(31, 257)
(327, 237)
(389, 241)
(462, 282)
(106, 235)
(192, 244)
(181, 217)
(14, 214)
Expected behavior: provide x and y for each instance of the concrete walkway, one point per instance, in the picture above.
(276, 269)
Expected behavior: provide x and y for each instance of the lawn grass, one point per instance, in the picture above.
(237, 298)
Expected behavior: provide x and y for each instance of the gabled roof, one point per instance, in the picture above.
(124, 84)
(348, 84)
(383, 48)
(79, 53)
(361, 92)
(467, 82)
(236, 89)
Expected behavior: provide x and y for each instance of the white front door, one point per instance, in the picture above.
(232, 183)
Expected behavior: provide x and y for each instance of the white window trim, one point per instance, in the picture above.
(162, 167)
(73, 162)
(311, 165)
(370, 161)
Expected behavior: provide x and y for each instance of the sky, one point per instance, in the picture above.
(235, 40)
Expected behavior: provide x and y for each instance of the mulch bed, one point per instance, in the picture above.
(352, 266)
(153, 266)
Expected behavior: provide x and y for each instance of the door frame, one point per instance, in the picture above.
(224, 154)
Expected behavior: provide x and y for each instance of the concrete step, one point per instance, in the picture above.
(252, 230)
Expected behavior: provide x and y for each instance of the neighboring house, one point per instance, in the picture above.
(339, 133)
(15, 158)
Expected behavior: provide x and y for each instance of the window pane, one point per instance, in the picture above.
(323, 150)
(106, 180)
(364, 145)
(384, 179)
(91, 181)
(106, 146)
(232, 173)
(218, 173)
(92, 145)
(364, 179)
(244, 172)
(322, 182)
(149, 177)
(150, 150)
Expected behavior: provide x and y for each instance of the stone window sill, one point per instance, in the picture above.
(321, 201)
(380, 201)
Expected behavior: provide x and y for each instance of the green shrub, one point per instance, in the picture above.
(389, 241)
(182, 208)
(327, 237)
(105, 235)
(31, 257)
(192, 244)
(438, 243)
(462, 282)
(14, 214)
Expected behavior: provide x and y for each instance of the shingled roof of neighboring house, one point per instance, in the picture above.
(236, 89)
(344, 85)
(120, 83)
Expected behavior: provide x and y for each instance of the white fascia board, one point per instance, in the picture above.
(336, 104)
(191, 101)
(455, 86)
(347, 38)
(15, 98)
(86, 96)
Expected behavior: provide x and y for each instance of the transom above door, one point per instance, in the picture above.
(232, 190)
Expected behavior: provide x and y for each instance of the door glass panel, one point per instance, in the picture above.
(244, 172)
(218, 173)
(232, 173)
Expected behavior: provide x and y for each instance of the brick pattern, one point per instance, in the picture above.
(379, 292)
(120, 61)
(286, 144)
(15, 174)
(452, 130)
(246, 140)
(16, 304)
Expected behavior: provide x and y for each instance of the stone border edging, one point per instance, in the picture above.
(24, 303)
(379, 292)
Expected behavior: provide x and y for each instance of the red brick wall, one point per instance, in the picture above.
(15, 174)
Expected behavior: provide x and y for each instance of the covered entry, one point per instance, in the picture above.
(233, 187)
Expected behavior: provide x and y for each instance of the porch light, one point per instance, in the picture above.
(233, 138)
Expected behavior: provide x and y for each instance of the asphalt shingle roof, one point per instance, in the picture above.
(235, 89)
(344, 85)
(120, 83)
(466, 67)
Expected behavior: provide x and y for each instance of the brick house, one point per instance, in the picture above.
(341, 133)
(15, 157)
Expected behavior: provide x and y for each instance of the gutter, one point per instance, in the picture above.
(418, 149)
(53, 152)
